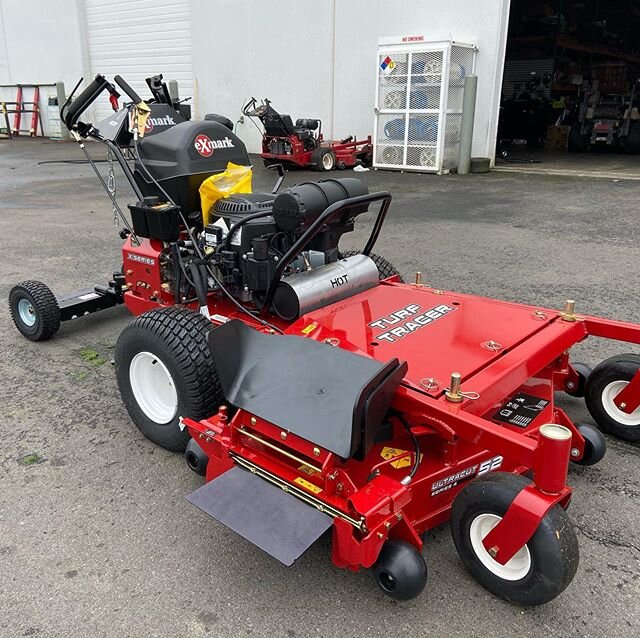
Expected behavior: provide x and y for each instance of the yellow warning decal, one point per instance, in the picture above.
(309, 471)
(391, 452)
(310, 486)
(310, 328)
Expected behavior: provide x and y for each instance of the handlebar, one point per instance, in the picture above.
(72, 109)
(127, 89)
(256, 111)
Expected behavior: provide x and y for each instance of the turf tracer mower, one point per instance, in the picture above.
(303, 144)
(315, 390)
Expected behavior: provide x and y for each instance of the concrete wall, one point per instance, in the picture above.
(317, 59)
(42, 43)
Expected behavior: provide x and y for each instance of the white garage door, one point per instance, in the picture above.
(137, 39)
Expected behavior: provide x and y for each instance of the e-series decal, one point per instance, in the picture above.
(412, 321)
(446, 483)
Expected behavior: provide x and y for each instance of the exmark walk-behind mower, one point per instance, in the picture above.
(314, 390)
(303, 144)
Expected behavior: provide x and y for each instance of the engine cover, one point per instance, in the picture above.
(307, 291)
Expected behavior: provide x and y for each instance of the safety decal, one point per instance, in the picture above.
(310, 328)
(391, 452)
(308, 485)
(407, 320)
(521, 410)
(309, 471)
(387, 65)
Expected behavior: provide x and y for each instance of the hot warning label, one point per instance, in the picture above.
(520, 410)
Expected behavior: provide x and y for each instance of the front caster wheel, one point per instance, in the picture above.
(605, 383)
(34, 310)
(400, 570)
(595, 445)
(540, 570)
(165, 370)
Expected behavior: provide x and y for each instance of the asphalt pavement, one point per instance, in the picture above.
(96, 536)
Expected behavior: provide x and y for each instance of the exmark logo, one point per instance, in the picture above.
(403, 322)
(166, 120)
(205, 145)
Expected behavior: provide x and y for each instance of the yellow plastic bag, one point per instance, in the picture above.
(236, 179)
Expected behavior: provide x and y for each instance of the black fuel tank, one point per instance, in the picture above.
(183, 156)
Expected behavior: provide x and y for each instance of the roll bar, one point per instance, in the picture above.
(330, 213)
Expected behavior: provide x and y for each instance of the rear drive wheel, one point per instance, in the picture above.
(540, 570)
(34, 310)
(604, 384)
(385, 268)
(323, 159)
(164, 371)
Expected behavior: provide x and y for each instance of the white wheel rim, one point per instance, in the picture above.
(327, 162)
(153, 387)
(516, 569)
(27, 313)
(608, 395)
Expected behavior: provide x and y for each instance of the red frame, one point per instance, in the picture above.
(459, 440)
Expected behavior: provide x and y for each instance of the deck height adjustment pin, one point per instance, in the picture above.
(569, 312)
(453, 394)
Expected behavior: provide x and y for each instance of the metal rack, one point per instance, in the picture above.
(19, 108)
(418, 109)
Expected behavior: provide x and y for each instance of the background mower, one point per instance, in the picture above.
(302, 144)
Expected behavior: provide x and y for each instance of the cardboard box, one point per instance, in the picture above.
(557, 138)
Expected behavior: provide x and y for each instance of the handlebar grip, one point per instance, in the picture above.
(127, 89)
(84, 100)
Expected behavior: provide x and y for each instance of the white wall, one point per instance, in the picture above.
(312, 58)
(43, 45)
(280, 50)
(317, 59)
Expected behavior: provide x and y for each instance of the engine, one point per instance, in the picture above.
(253, 232)
(249, 244)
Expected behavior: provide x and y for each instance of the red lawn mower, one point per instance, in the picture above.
(314, 390)
(303, 144)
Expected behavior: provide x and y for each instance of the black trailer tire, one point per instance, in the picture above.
(165, 370)
(576, 142)
(632, 143)
(606, 380)
(583, 371)
(34, 310)
(323, 159)
(385, 268)
(541, 570)
(595, 445)
(400, 571)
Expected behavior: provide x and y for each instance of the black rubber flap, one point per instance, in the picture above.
(311, 389)
(280, 524)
